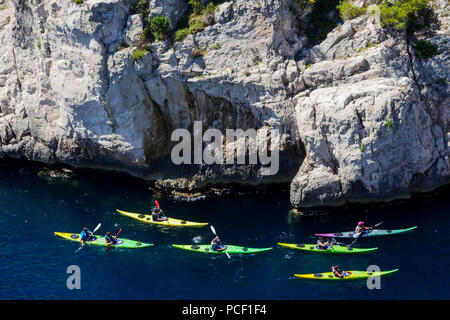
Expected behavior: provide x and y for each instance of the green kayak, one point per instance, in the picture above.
(350, 275)
(100, 241)
(333, 249)
(206, 248)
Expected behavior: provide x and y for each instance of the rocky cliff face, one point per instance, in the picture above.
(361, 117)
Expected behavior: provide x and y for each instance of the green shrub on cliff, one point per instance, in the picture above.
(78, 1)
(210, 8)
(424, 49)
(138, 54)
(389, 125)
(401, 13)
(196, 20)
(181, 34)
(142, 8)
(159, 26)
(349, 11)
(196, 6)
(195, 25)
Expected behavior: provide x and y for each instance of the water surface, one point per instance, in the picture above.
(33, 261)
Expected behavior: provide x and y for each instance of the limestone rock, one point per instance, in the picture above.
(133, 30)
(360, 117)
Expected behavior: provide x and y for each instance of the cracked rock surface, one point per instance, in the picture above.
(361, 118)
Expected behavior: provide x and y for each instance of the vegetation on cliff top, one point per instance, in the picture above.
(349, 11)
(199, 17)
(399, 14)
(409, 15)
(402, 14)
(142, 8)
(159, 26)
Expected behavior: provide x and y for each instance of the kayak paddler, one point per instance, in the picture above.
(86, 235)
(110, 239)
(337, 272)
(323, 245)
(361, 229)
(158, 215)
(216, 244)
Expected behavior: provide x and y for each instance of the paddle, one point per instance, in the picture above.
(96, 228)
(157, 204)
(109, 245)
(378, 224)
(333, 241)
(214, 231)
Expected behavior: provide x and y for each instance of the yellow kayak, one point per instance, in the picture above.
(147, 218)
(349, 275)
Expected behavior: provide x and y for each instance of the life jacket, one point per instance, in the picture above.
(216, 243)
(110, 239)
(84, 235)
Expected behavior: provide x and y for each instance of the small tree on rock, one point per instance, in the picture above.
(159, 26)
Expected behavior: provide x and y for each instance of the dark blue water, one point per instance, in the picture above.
(33, 261)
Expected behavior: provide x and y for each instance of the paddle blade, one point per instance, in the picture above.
(228, 255)
(379, 223)
(97, 227)
(79, 249)
(109, 246)
(353, 242)
(213, 230)
(157, 204)
(120, 230)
